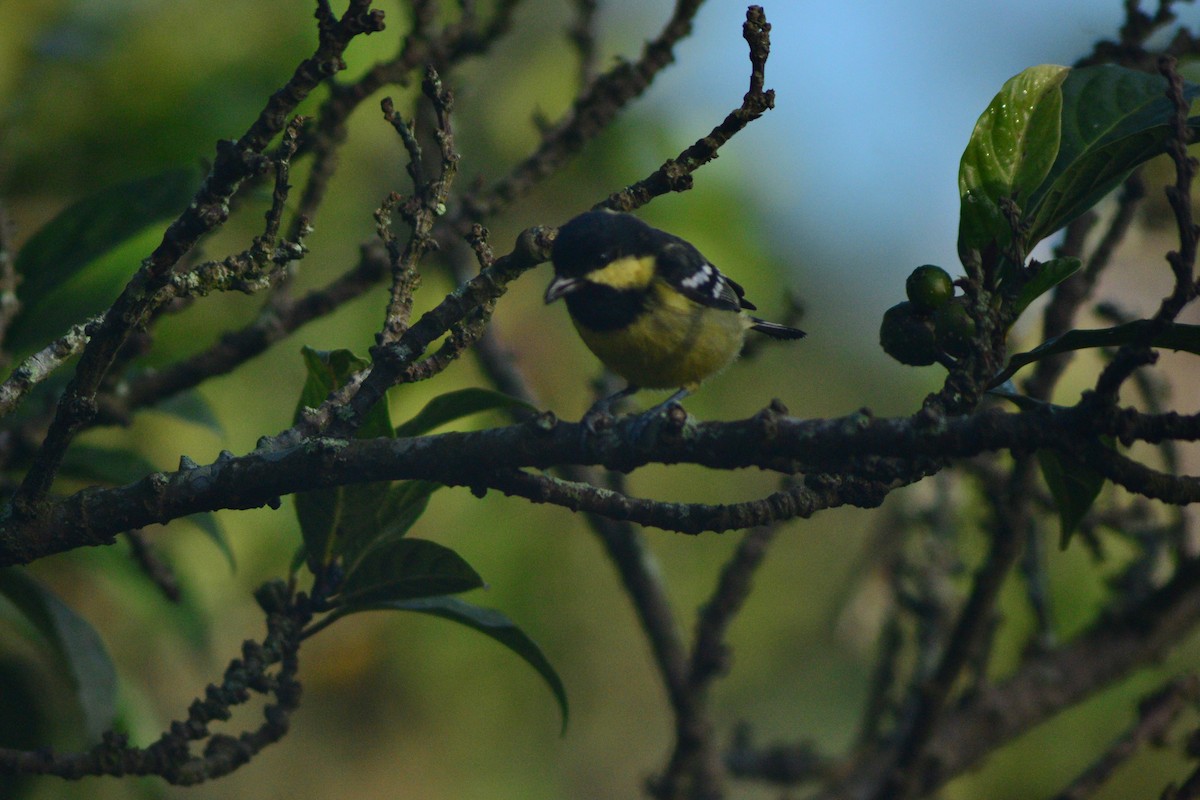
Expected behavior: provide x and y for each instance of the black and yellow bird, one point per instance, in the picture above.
(649, 305)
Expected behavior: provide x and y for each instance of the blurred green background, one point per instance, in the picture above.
(836, 195)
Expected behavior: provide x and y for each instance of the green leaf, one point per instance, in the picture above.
(455, 405)
(406, 569)
(329, 517)
(405, 504)
(487, 621)
(75, 642)
(401, 507)
(1175, 336)
(329, 370)
(1074, 486)
(1010, 152)
(1049, 274)
(77, 264)
(1113, 119)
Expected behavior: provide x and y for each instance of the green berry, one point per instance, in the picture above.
(954, 328)
(929, 287)
(906, 334)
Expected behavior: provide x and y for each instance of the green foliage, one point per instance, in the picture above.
(451, 406)
(402, 505)
(208, 524)
(77, 647)
(1053, 142)
(1010, 152)
(1171, 336)
(1113, 120)
(1045, 277)
(347, 521)
(76, 265)
(404, 569)
(365, 527)
(1074, 486)
(345, 513)
(487, 621)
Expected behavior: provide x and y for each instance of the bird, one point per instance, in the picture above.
(649, 305)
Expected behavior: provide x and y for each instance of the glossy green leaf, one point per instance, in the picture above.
(329, 517)
(1073, 484)
(406, 569)
(75, 642)
(77, 264)
(1009, 154)
(1113, 119)
(401, 507)
(1176, 336)
(1049, 274)
(456, 405)
(487, 621)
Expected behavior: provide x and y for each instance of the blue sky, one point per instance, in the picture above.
(875, 103)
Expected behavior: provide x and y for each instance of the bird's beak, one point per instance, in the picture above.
(560, 286)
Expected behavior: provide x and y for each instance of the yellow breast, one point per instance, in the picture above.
(675, 343)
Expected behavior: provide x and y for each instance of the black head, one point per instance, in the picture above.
(596, 238)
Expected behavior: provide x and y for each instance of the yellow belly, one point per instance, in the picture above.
(678, 344)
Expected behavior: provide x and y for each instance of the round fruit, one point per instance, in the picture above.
(929, 287)
(954, 329)
(906, 334)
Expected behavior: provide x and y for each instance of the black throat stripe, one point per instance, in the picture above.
(603, 308)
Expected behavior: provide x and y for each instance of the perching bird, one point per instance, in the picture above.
(649, 305)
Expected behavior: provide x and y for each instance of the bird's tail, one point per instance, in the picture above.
(775, 330)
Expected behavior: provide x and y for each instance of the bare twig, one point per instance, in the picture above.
(583, 35)
(265, 669)
(591, 113)
(1183, 262)
(428, 202)
(157, 570)
(905, 778)
(676, 174)
(235, 161)
(1156, 714)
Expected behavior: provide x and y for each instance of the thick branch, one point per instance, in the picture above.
(485, 459)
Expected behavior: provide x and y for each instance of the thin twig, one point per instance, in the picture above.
(905, 778)
(676, 174)
(1183, 261)
(583, 35)
(1156, 714)
(234, 163)
(591, 113)
(157, 570)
